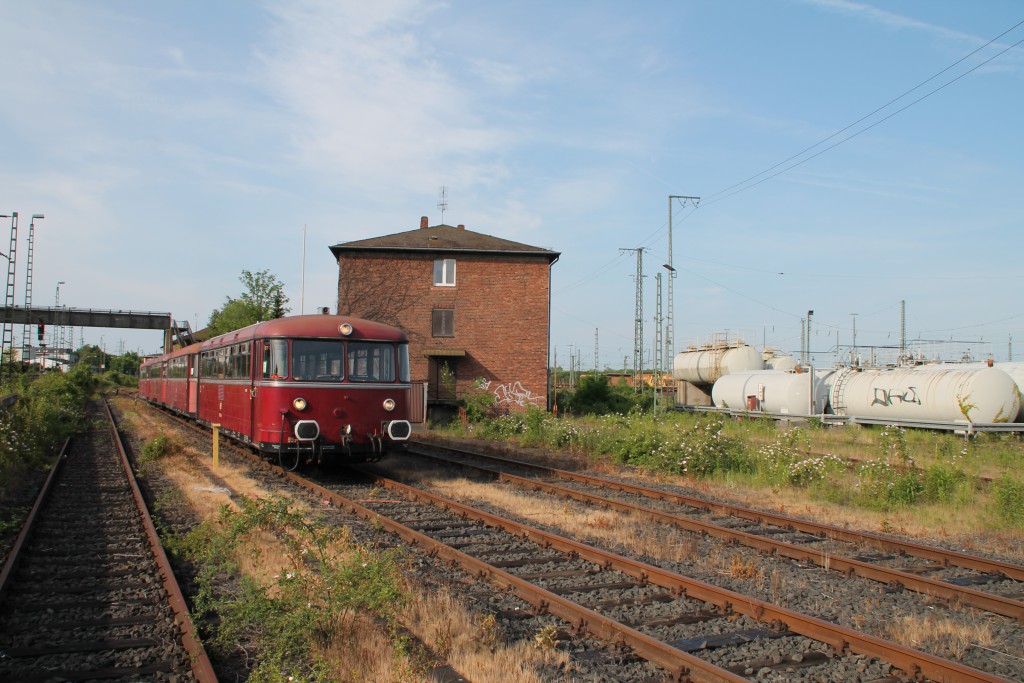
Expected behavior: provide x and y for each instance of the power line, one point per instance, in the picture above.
(743, 186)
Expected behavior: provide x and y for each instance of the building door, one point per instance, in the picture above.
(442, 379)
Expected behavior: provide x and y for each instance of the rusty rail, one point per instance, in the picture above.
(200, 662)
(11, 565)
(997, 604)
(840, 638)
(946, 557)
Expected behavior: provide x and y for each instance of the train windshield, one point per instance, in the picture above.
(371, 362)
(314, 359)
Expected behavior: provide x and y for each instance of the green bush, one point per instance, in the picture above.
(1009, 502)
(944, 484)
(155, 448)
(49, 410)
(480, 405)
(596, 396)
(313, 601)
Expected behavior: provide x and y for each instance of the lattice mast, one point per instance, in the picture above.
(659, 350)
(26, 330)
(12, 262)
(670, 323)
(638, 321)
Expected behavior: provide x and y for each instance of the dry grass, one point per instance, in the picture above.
(637, 535)
(471, 643)
(945, 637)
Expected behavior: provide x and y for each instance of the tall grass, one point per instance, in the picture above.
(895, 468)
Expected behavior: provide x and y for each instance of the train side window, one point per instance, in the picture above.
(275, 359)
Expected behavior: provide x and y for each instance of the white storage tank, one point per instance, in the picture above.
(774, 360)
(771, 391)
(1014, 369)
(704, 366)
(960, 395)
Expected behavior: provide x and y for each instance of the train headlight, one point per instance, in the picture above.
(345, 329)
(389, 404)
(299, 404)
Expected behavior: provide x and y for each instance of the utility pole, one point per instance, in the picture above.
(302, 279)
(6, 347)
(659, 352)
(853, 348)
(597, 364)
(903, 332)
(670, 324)
(638, 321)
(809, 314)
(803, 342)
(26, 337)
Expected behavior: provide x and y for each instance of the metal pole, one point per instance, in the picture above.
(659, 360)
(670, 321)
(302, 290)
(216, 445)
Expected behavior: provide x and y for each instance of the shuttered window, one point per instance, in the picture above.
(443, 322)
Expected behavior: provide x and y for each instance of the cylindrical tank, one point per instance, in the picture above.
(775, 360)
(961, 395)
(704, 366)
(786, 393)
(1014, 369)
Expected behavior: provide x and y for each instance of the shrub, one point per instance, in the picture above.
(1009, 502)
(49, 409)
(313, 601)
(943, 484)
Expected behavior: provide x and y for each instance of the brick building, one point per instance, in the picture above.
(477, 308)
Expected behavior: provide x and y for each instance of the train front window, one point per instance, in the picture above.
(403, 363)
(275, 359)
(370, 362)
(314, 359)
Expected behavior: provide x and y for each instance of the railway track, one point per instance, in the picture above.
(694, 630)
(87, 592)
(621, 615)
(957, 578)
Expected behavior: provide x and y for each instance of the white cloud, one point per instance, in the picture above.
(373, 101)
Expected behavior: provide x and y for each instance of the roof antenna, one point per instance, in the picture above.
(442, 201)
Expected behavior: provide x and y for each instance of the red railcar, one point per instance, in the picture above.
(303, 388)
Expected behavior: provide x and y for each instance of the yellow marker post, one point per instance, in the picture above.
(216, 445)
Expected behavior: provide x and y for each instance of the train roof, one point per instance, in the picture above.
(316, 326)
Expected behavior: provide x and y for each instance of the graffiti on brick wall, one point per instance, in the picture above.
(511, 393)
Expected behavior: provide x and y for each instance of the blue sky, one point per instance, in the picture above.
(172, 145)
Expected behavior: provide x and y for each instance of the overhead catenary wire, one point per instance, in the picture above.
(743, 186)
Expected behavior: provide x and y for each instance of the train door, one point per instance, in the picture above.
(163, 382)
(192, 382)
(269, 368)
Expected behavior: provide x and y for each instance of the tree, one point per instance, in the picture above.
(263, 299)
(128, 364)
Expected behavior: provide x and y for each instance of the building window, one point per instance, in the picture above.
(443, 324)
(444, 272)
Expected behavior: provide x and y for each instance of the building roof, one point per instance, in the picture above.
(443, 239)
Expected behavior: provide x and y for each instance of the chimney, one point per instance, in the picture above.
(423, 222)
(461, 226)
